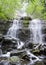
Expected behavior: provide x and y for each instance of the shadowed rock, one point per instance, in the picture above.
(26, 18)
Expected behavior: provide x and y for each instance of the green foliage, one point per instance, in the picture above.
(37, 8)
(8, 8)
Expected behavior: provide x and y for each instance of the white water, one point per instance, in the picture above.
(35, 27)
(5, 55)
(20, 44)
(32, 56)
(13, 29)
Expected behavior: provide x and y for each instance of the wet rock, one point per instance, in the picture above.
(0, 51)
(39, 63)
(23, 62)
(26, 18)
(44, 61)
(39, 52)
(44, 51)
(8, 44)
(14, 60)
(4, 25)
(22, 54)
(1, 63)
(15, 54)
(29, 45)
(24, 34)
(9, 49)
(4, 62)
(1, 37)
(19, 53)
(44, 31)
(26, 57)
(44, 38)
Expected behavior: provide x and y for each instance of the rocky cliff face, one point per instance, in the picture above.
(4, 25)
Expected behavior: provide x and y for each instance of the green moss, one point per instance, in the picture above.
(25, 23)
(14, 59)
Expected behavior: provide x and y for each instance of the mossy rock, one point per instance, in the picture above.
(39, 63)
(25, 20)
(4, 25)
(14, 59)
(24, 34)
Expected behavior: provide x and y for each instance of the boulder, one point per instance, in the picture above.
(4, 25)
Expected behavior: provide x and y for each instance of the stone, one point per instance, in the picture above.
(4, 25)
(26, 18)
(26, 57)
(14, 59)
(39, 63)
(24, 34)
(29, 45)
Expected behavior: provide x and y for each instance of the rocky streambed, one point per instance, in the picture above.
(29, 54)
(21, 50)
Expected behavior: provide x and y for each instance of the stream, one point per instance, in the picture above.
(24, 45)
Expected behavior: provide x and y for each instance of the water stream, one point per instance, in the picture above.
(14, 28)
(11, 37)
(35, 27)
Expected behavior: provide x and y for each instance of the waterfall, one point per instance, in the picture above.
(13, 32)
(35, 27)
(23, 47)
(14, 28)
(16, 23)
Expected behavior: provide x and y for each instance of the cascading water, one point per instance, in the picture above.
(14, 28)
(32, 56)
(13, 32)
(35, 27)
